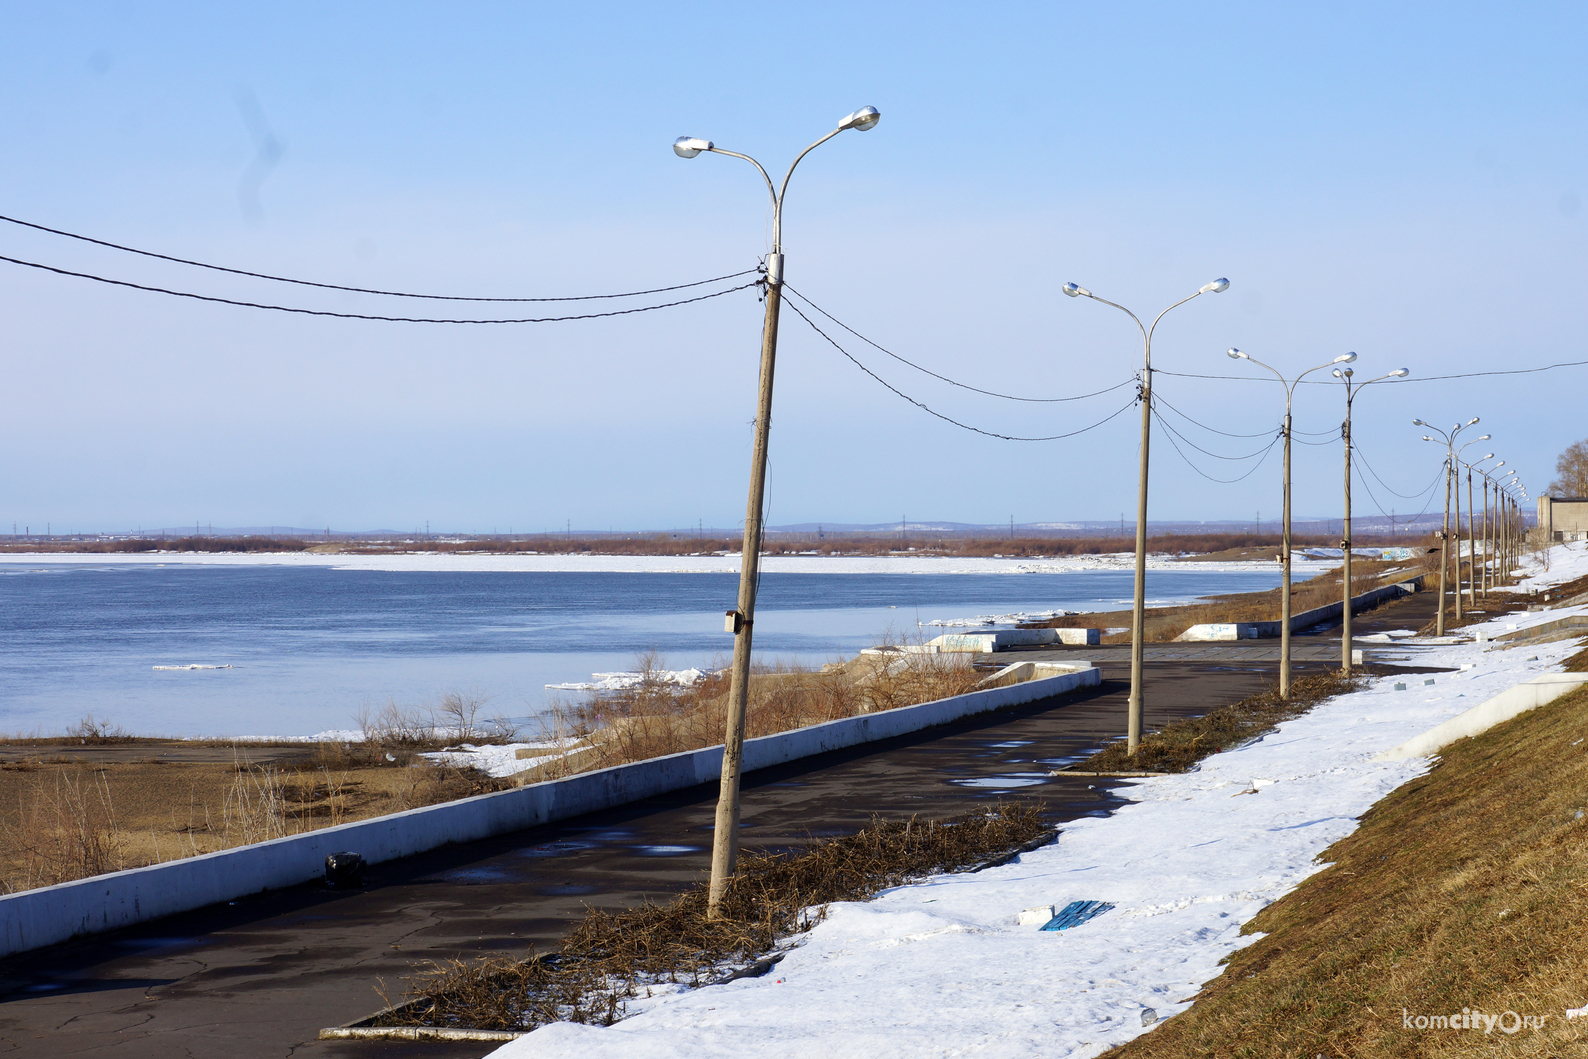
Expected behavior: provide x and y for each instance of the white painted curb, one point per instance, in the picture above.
(1507, 704)
(35, 918)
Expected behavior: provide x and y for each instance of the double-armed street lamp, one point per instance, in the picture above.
(741, 621)
(1473, 574)
(1450, 459)
(1284, 553)
(1455, 471)
(1138, 608)
(1351, 388)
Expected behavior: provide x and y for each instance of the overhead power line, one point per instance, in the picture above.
(359, 290)
(370, 316)
(1393, 382)
(945, 378)
(963, 426)
(1172, 434)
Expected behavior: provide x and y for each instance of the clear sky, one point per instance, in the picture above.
(1402, 181)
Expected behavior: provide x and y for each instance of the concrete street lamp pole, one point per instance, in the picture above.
(1474, 571)
(1138, 621)
(1455, 473)
(1284, 553)
(1444, 537)
(741, 621)
(1344, 375)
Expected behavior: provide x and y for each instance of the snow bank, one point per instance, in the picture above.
(1565, 562)
(942, 968)
(624, 681)
(500, 760)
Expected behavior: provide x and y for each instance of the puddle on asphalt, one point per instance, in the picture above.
(665, 851)
(157, 943)
(1011, 745)
(567, 891)
(475, 876)
(555, 849)
(1001, 782)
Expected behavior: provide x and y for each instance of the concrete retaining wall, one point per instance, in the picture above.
(34, 918)
(1253, 630)
(1507, 704)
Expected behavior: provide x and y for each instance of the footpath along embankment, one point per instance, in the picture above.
(1184, 865)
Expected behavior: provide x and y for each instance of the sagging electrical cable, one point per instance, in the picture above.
(360, 290)
(370, 316)
(1221, 481)
(1157, 399)
(944, 378)
(1356, 453)
(1368, 486)
(1217, 456)
(963, 426)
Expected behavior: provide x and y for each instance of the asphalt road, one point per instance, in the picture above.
(260, 977)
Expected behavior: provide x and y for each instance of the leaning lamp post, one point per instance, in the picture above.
(1284, 552)
(741, 621)
(1351, 389)
(1139, 602)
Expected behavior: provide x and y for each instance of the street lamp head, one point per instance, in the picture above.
(1483, 437)
(1218, 286)
(1471, 421)
(861, 120)
(1490, 456)
(1344, 358)
(1427, 438)
(1075, 290)
(1338, 374)
(1235, 354)
(1399, 373)
(1418, 423)
(689, 146)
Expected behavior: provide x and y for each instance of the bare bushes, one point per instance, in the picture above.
(64, 831)
(655, 716)
(609, 957)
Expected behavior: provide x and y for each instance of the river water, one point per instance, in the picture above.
(312, 639)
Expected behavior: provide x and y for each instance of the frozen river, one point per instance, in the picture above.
(312, 638)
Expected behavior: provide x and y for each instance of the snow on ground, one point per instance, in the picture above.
(500, 760)
(941, 968)
(1563, 562)
(624, 681)
(720, 563)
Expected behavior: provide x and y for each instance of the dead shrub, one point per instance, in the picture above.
(64, 831)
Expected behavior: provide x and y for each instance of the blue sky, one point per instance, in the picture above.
(1406, 183)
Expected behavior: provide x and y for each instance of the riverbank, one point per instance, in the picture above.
(1183, 867)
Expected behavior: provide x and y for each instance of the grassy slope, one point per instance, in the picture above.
(1463, 889)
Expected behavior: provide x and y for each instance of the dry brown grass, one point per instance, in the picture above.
(1181, 744)
(63, 819)
(610, 957)
(1461, 890)
(657, 718)
(1163, 624)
